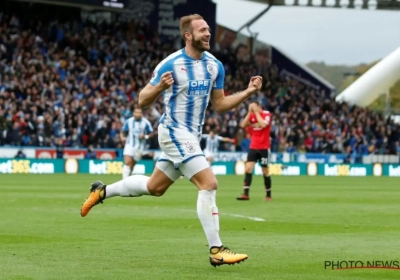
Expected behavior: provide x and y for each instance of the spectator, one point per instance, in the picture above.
(91, 154)
(245, 145)
(20, 154)
(74, 84)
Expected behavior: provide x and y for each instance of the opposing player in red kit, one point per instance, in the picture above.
(259, 122)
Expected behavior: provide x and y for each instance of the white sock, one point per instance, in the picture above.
(132, 186)
(207, 212)
(126, 171)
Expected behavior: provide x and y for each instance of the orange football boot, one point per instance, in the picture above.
(223, 255)
(96, 196)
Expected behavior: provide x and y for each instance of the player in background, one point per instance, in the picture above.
(212, 144)
(189, 79)
(259, 122)
(135, 132)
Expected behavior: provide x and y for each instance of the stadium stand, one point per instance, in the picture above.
(74, 84)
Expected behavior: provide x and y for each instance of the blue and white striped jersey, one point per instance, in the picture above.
(187, 99)
(212, 144)
(134, 129)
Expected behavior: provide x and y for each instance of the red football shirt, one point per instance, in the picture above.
(260, 137)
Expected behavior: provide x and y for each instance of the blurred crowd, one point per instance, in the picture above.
(74, 84)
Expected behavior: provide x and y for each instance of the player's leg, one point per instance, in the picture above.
(155, 185)
(210, 160)
(129, 164)
(248, 176)
(164, 175)
(209, 157)
(198, 172)
(267, 178)
(136, 158)
(129, 161)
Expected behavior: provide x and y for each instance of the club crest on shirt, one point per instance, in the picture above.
(190, 147)
(210, 69)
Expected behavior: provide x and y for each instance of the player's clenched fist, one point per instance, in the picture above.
(255, 84)
(166, 80)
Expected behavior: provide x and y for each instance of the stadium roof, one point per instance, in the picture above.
(393, 5)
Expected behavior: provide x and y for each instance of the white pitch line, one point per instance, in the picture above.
(233, 215)
(247, 217)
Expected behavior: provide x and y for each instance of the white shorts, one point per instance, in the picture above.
(133, 152)
(181, 153)
(188, 169)
(209, 154)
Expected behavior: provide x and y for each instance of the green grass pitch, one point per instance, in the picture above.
(311, 220)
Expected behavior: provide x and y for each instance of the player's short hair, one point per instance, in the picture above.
(186, 23)
(258, 104)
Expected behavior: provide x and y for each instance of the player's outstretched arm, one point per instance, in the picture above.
(226, 139)
(151, 92)
(222, 103)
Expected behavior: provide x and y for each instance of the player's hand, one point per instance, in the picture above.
(256, 109)
(251, 106)
(255, 84)
(166, 80)
(141, 136)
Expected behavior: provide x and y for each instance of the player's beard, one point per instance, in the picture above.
(199, 44)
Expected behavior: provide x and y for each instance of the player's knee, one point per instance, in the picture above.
(157, 193)
(154, 191)
(249, 168)
(265, 172)
(128, 161)
(208, 185)
(212, 184)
